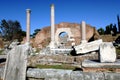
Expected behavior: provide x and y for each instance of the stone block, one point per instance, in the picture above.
(16, 63)
(107, 52)
(59, 74)
(1, 72)
(112, 76)
(49, 74)
(97, 64)
(93, 76)
(88, 47)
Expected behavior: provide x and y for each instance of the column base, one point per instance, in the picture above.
(83, 41)
(52, 45)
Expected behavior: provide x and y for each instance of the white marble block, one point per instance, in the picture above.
(88, 47)
(107, 52)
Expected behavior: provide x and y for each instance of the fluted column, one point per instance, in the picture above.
(28, 11)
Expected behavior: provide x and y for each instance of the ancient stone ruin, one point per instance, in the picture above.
(16, 63)
(64, 36)
(92, 57)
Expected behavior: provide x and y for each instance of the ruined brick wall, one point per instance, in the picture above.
(42, 39)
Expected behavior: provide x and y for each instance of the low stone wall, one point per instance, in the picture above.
(59, 74)
(1, 72)
(61, 59)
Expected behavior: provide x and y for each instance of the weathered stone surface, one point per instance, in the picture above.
(97, 64)
(78, 75)
(45, 51)
(1, 72)
(28, 11)
(57, 74)
(88, 47)
(107, 52)
(60, 59)
(49, 74)
(83, 32)
(16, 64)
(52, 43)
(112, 76)
(42, 39)
(7, 47)
(34, 79)
(14, 44)
(68, 37)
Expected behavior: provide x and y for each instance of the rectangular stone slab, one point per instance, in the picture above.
(88, 47)
(16, 64)
(97, 64)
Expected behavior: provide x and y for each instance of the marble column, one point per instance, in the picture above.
(52, 44)
(28, 11)
(83, 32)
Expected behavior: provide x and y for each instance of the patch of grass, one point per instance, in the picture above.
(1, 52)
(118, 51)
(64, 66)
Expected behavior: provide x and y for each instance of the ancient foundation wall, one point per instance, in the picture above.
(59, 74)
(54, 74)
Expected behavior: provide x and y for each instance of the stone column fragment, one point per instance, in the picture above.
(107, 52)
(52, 43)
(52, 23)
(83, 32)
(28, 11)
(16, 63)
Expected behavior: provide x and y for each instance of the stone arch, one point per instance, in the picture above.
(61, 30)
(63, 37)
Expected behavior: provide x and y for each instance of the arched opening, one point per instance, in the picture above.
(63, 35)
(63, 38)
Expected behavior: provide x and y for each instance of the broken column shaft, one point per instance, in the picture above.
(28, 11)
(52, 44)
(83, 32)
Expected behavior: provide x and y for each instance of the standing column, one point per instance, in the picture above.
(83, 32)
(28, 11)
(52, 44)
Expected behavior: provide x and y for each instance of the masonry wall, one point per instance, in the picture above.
(42, 38)
(59, 74)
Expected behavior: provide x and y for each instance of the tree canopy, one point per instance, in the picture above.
(109, 29)
(11, 30)
(35, 32)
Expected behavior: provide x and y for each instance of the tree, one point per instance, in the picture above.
(111, 27)
(114, 30)
(4, 28)
(11, 30)
(35, 32)
(107, 31)
(101, 31)
(118, 23)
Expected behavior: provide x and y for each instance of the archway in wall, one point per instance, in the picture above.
(63, 37)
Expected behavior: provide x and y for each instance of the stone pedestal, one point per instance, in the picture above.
(28, 11)
(107, 52)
